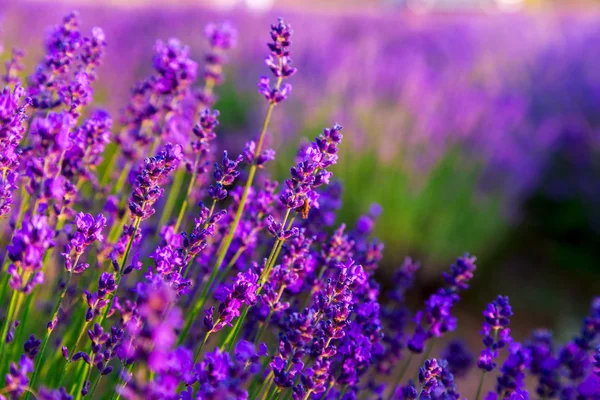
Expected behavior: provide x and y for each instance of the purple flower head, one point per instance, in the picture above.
(87, 146)
(97, 301)
(279, 62)
(77, 93)
(458, 357)
(428, 376)
(147, 188)
(460, 274)
(176, 71)
(17, 379)
(224, 175)
(220, 376)
(495, 331)
(310, 172)
(88, 231)
(14, 66)
(242, 291)
(404, 278)
(26, 252)
(250, 156)
(281, 34)
(92, 51)
(32, 346)
(277, 230)
(512, 378)
(52, 133)
(12, 118)
(221, 36)
(273, 95)
(205, 128)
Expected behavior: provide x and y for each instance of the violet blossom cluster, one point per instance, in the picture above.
(260, 294)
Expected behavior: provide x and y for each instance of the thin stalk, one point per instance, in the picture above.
(86, 376)
(199, 351)
(230, 265)
(174, 192)
(230, 341)
(266, 384)
(136, 226)
(398, 381)
(95, 385)
(41, 358)
(109, 166)
(262, 329)
(307, 395)
(9, 316)
(482, 378)
(480, 385)
(342, 392)
(427, 353)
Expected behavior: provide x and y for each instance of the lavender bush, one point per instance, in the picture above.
(169, 270)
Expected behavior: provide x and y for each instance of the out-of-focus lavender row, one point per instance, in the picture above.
(502, 93)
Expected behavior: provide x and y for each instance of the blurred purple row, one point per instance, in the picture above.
(509, 90)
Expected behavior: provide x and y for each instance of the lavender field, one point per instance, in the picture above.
(202, 204)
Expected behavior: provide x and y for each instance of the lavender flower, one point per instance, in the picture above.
(437, 317)
(428, 377)
(12, 118)
(32, 346)
(176, 71)
(221, 38)
(147, 184)
(279, 62)
(496, 332)
(14, 66)
(17, 379)
(97, 301)
(512, 378)
(224, 175)
(458, 357)
(89, 230)
(26, 253)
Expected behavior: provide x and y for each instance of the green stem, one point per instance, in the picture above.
(483, 371)
(9, 316)
(109, 166)
(398, 381)
(199, 351)
(187, 195)
(95, 386)
(136, 226)
(480, 385)
(342, 392)
(230, 341)
(174, 192)
(427, 353)
(262, 329)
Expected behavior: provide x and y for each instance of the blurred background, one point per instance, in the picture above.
(475, 124)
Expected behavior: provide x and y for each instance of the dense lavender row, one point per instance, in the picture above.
(180, 272)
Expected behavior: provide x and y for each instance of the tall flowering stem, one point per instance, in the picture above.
(221, 38)
(146, 192)
(279, 62)
(496, 336)
(89, 230)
